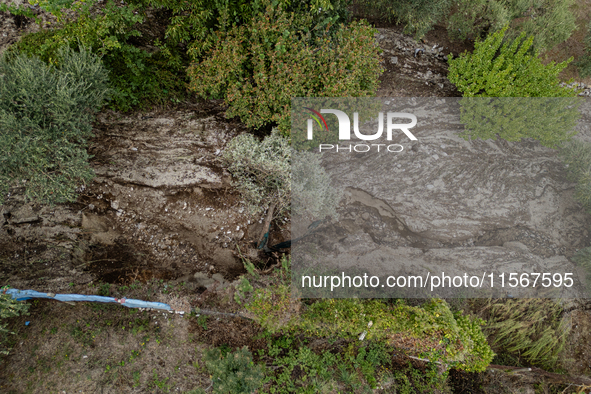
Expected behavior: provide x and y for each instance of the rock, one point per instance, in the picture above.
(163, 122)
(22, 215)
(202, 280)
(224, 258)
(218, 277)
(516, 246)
(169, 174)
(94, 223)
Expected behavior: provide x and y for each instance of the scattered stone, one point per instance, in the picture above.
(23, 215)
(202, 280)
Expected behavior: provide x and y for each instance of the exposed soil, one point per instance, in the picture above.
(160, 207)
(416, 68)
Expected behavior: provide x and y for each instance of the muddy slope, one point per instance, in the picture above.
(161, 206)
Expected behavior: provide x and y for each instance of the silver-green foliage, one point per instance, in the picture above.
(314, 197)
(45, 120)
(9, 308)
(261, 170)
(264, 174)
(549, 21)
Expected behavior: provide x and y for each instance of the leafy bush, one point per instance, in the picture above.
(495, 69)
(531, 329)
(258, 67)
(551, 120)
(261, 170)
(45, 119)
(137, 76)
(9, 308)
(233, 373)
(550, 22)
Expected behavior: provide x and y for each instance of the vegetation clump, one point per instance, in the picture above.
(261, 170)
(418, 17)
(45, 120)
(259, 66)
(531, 330)
(549, 22)
(438, 333)
(233, 373)
(584, 64)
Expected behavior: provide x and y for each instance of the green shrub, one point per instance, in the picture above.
(550, 22)
(233, 373)
(550, 120)
(261, 171)
(495, 69)
(9, 308)
(531, 329)
(258, 67)
(45, 119)
(137, 76)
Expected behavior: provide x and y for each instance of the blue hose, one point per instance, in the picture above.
(21, 295)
